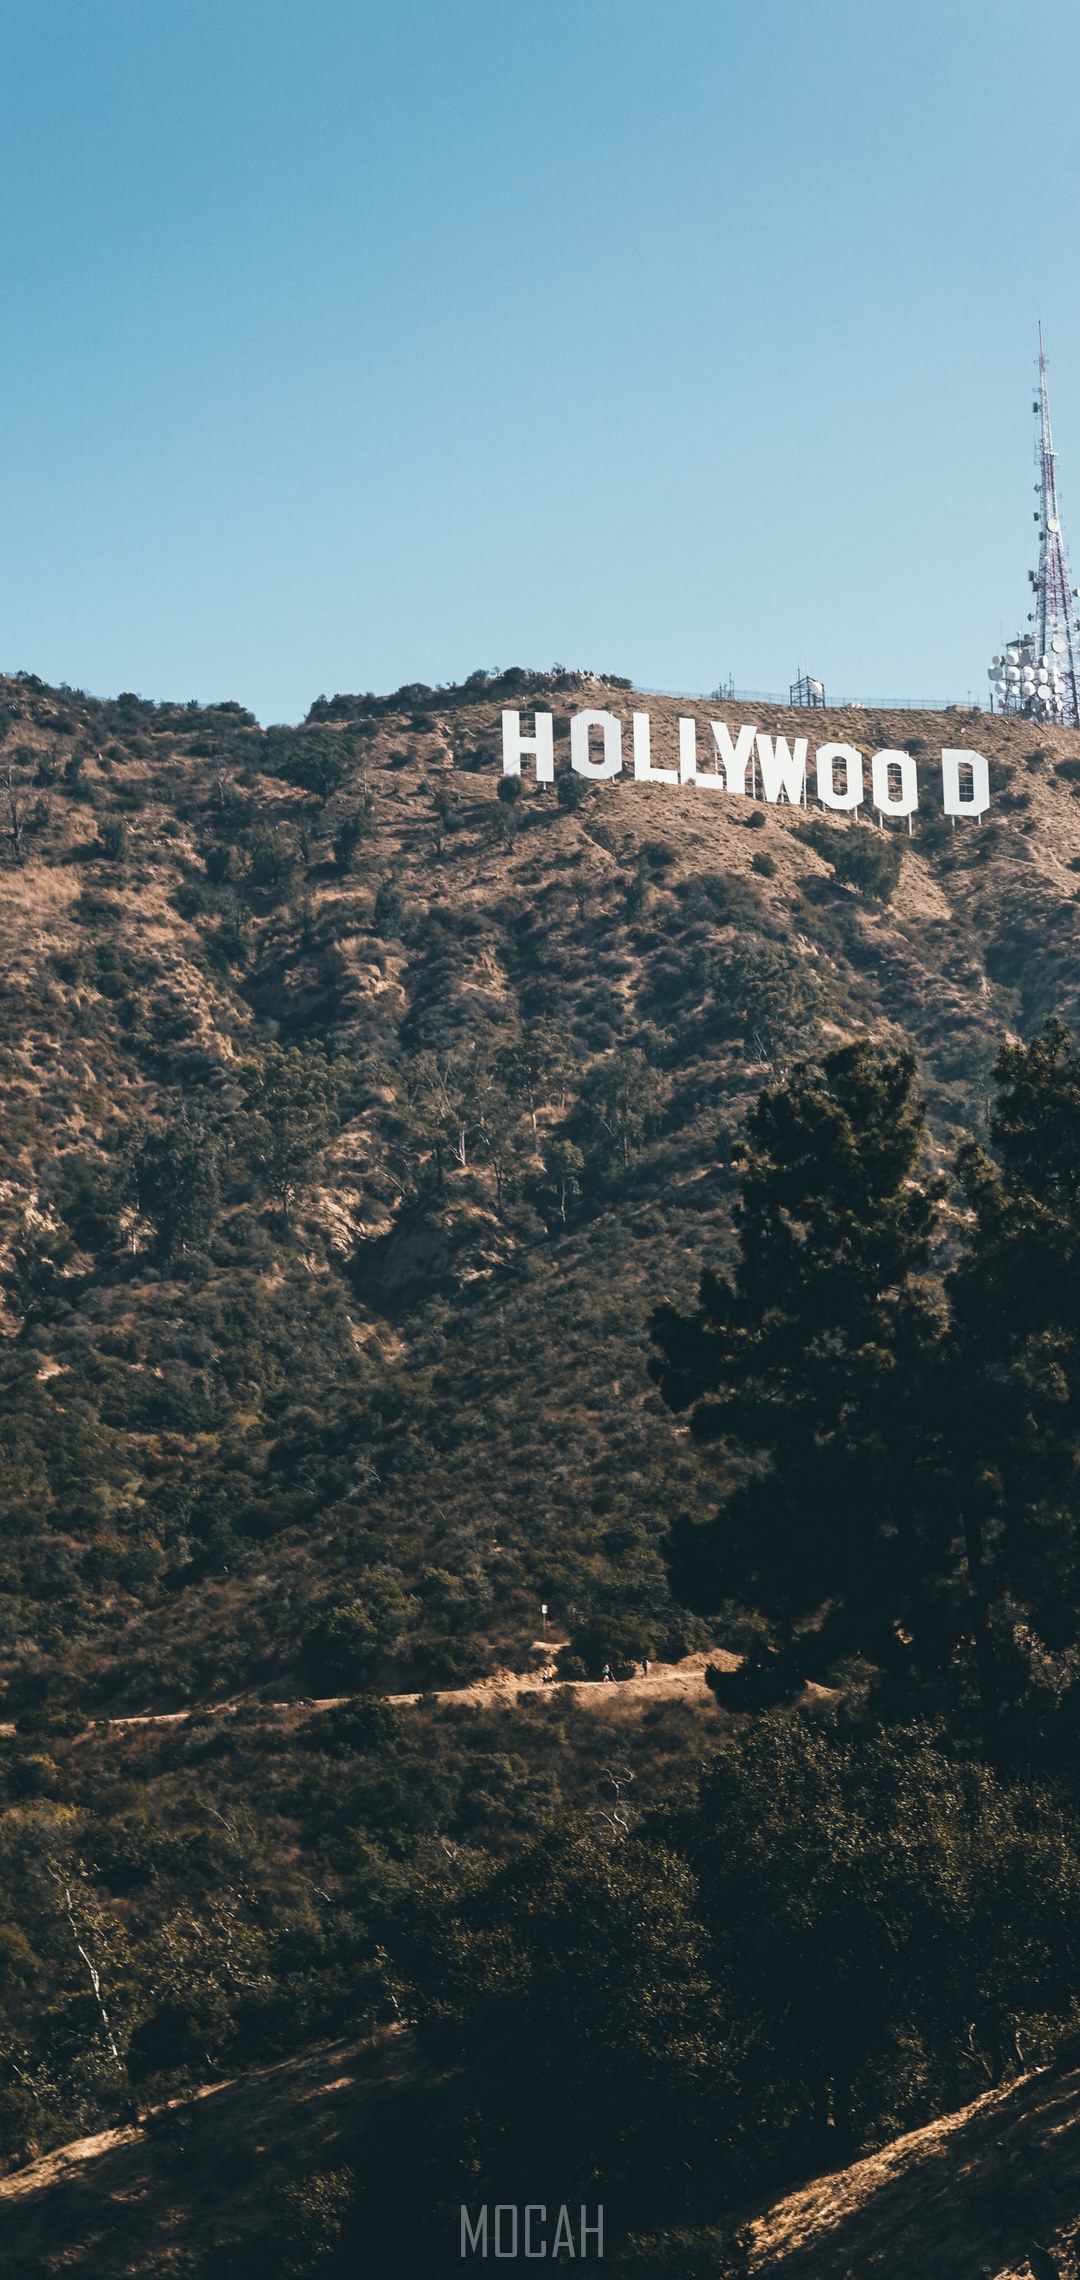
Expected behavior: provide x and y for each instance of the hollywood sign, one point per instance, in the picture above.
(596, 751)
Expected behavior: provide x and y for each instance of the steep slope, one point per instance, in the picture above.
(976, 2192)
(356, 1117)
(406, 1394)
(212, 2184)
(204, 2184)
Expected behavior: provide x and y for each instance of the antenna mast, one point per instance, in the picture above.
(1039, 674)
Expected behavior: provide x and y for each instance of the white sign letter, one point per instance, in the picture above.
(955, 804)
(688, 767)
(543, 744)
(644, 771)
(781, 770)
(734, 756)
(828, 755)
(580, 725)
(905, 799)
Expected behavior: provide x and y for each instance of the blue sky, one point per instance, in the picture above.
(348, 342)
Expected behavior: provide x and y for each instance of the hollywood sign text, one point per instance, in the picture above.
(596, 751)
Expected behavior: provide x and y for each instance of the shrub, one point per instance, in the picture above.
(347, 839)
(52, 1719)
(865, 859)
(388, 917)
(314, 759)
(312, 2218)
(622, 1640)
(272, 861)
(572, 789)
(340, 1650)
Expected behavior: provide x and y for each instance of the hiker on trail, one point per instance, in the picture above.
(605, 1674)
(645, 1666)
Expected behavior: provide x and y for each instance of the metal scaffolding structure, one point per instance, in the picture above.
(806, 691)
(1038, 675)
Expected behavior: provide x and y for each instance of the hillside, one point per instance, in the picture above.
(977, 2192)
(218, 1427)
(209, 2184)
(357, 1117)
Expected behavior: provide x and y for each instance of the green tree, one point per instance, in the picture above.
(498, 1129)
(869, 861)
(568, 1983)
(460, 1112)
(618, 1107)
(1014, 1360)
(347, 839)
(768, 995)
(388, 916)
(564, 1165)
(272, 861)
(505, 819)
(570, 789)
(537, 1064)
(883, 1921)
(289, 1117)
(812, 1361)
(318, 760)
(343, 1645)
(172, 1178)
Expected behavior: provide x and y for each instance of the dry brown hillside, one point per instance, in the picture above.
(357, 1118)
(972, 2194)
(217, 1428)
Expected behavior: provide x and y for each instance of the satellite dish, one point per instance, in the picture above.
(1057, 645)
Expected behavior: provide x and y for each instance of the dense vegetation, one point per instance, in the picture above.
(366, 1136)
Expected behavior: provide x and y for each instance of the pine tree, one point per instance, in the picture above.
(1014, 1375)
(810, 1364)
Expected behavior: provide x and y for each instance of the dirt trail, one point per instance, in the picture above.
(683, 1680)
(665, 1682)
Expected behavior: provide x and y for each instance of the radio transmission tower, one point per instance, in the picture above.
(1039, 674)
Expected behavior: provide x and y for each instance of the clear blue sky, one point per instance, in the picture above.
(347, 342)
